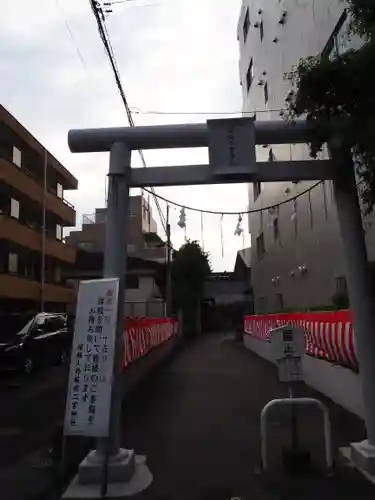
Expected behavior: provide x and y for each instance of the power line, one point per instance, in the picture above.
(244, 212)
(139, 111)
(129, 1)
(111, 55)
(71, 34)
(104, 35)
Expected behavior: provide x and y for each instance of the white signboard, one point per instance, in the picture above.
(88, 403)
(288, 345)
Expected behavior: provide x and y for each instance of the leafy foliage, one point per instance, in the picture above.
(363, 14)
(190, 268)
(341, 90)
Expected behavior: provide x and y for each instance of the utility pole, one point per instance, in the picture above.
(169, 268)
(43, 256)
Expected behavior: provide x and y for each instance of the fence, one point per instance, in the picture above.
(143, 334)
(145, 309)
(328, 335)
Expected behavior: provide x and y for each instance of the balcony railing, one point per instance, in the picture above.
(12, 230)
(100, 217)
(50, 189)
(88, 219)
(16, 287)
(4, 154)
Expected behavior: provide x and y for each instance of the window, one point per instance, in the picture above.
(257, 186)
(261, 31)
(59, 191)
(12, 262)
(261, 305)
(266, 92)
(276, 232)
(14, 208)
(340, 41)
(261, 249)
(279, 302)
(341, 285)
(59, 232)
(250, 75)
(48, 324)
(17, 157)
(294, 217)
(246, 25)
(132, 281)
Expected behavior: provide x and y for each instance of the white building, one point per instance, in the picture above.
(297, 261)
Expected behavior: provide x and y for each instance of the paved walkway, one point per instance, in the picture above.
(197, 421)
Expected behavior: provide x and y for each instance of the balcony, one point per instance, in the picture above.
(12, 230)
(155, 254)
(22, 180)
(14, 287)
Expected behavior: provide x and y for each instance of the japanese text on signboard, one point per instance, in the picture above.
(88, 401)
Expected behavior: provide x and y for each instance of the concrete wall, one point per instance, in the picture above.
(339, 384)
(142, 368)
(146, 290)
(311, 237)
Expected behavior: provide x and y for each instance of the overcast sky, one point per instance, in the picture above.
(173, 55)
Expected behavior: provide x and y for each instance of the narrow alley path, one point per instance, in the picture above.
(197, 421)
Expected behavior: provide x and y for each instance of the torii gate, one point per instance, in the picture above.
(232, 159)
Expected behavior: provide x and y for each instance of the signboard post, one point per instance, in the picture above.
(88, 402)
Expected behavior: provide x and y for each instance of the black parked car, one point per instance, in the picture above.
(43, 339)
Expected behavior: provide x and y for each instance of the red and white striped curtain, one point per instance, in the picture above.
(328, 335)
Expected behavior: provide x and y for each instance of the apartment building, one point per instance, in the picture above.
(297, 260)
(33, 213)
(147, 256)
(143, 241)
(145, 282)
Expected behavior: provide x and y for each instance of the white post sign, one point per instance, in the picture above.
(288, 345)
(88, 403)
